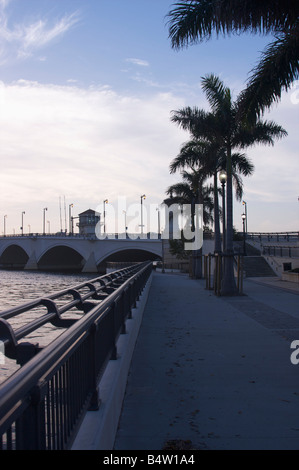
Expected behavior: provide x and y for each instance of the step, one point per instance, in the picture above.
(257, 266)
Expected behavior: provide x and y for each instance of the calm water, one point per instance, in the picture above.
(19, 287)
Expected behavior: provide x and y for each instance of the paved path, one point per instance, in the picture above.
(212, 370)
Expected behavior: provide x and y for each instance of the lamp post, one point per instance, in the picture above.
(222, 179)
(22, 227)
(70, 219)
(105, 202)
(245, 204)
(159, 225)
(141, 199)
(44, 220)
(126, 228)
(244, 245)
(4, 225)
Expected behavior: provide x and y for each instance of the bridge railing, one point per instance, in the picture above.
(281, 251)
(273, 236)
(107, 236)
(42, 404)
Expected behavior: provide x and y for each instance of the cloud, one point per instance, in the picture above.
(87, 144)
(140, 62)
(94, 143)
(23, 39)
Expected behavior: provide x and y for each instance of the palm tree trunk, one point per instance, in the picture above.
(228, 286)
(217, 239)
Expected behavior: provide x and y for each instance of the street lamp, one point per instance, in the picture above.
(245, 204)
(22, 222)
(126, 228)
(4, 225)
(222, 179)
(44, 220)
(159, 234)
(70, 219)
(105, 202)
(244, 245)
(141, 199)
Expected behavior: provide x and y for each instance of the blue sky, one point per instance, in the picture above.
(86, 92)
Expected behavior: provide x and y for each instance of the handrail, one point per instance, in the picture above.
(54, 312)
(285, 251)
(107, 236)
(42, 403)
(270, 235)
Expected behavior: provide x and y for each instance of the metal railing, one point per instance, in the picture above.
(43, 403)
(214, 269)
(282, 251)
(273, 236)
(107, 236)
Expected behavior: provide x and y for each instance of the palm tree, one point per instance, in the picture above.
(230, 133)
(200, 154)
(192, 191)
(193, 21)
(206, 153)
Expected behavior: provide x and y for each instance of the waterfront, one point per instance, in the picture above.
(19, 287)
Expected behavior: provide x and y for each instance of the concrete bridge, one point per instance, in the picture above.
(74, 252)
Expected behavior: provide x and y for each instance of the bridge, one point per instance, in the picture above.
(76, 253)
(42, 404)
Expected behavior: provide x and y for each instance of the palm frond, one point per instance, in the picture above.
(263, 132)
(238, 185)
(276, 71)
(193, 21)
(217, 94)
(242, 164)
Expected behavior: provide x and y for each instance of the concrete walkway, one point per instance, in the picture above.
(212, 370)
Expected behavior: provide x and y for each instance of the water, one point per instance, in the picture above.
(19, 287)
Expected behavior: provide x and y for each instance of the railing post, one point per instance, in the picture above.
(95, 401)
(30, 427)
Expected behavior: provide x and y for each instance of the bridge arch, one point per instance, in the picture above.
(61, 257)
(126, 255)
(13, 256)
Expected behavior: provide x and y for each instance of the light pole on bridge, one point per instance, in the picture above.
(22, 227)
(159, 228)
(70, 219)
(44, 220)
(141, 199)
(4, 225)
(105, 202)
(126, 228)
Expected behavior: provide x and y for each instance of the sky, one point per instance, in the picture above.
(87, 88)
